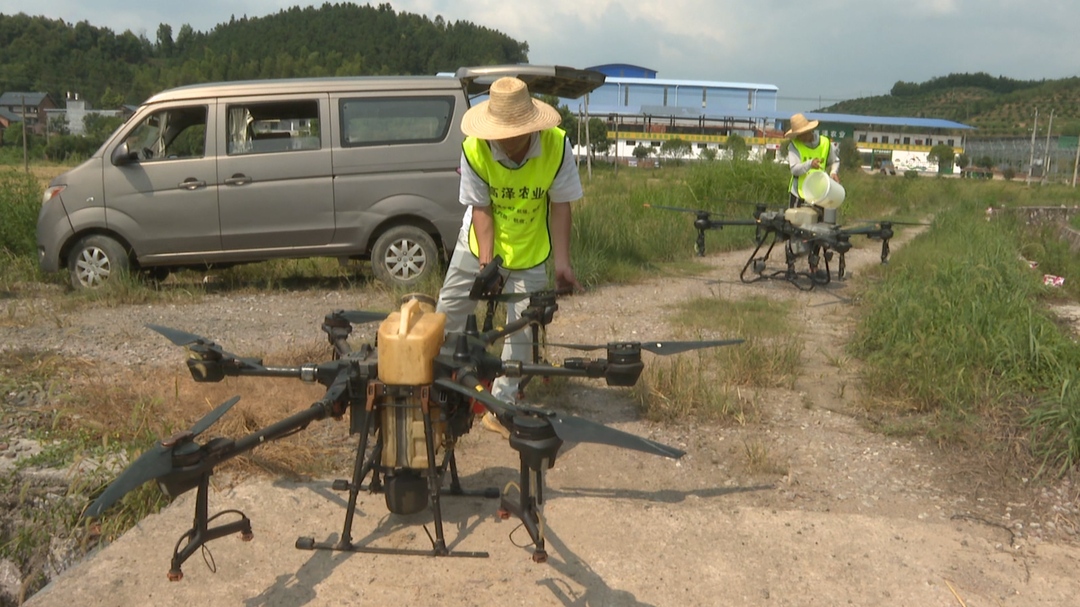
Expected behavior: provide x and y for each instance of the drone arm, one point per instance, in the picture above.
(572, 367)
(208, 369)
(222, 449)
(614, 373)
(533, 315)
(290, 425)
(719, 224)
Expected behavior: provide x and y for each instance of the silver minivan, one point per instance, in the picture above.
(238, 172)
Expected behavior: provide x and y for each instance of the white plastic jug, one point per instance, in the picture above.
(819, 189)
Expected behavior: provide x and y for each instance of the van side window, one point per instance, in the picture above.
(170, 134)
(257, 128)
(395, 120)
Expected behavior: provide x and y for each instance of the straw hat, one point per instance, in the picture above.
(509, 111)
(800, 125)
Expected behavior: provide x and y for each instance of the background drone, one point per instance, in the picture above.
(804, 234)
(410, 397)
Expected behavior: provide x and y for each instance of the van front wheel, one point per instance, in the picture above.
(94, 259)
(404, 256)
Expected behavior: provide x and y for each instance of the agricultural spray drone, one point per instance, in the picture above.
(808, 232)
(410, 397)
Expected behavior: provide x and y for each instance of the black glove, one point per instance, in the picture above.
(489, 281)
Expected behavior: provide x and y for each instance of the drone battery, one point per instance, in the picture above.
(409, 341)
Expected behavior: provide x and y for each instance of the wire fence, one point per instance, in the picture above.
(1053, 159)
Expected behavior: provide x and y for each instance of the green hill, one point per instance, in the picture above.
(996, 106)
(44, 54)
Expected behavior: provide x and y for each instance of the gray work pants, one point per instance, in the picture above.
(455, 303)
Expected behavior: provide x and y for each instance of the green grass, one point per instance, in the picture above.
(20, 201)
(719, 384)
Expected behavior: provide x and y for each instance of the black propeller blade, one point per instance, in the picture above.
(680, 209)
(567, 427)
(656, 347)
(178, 337)
(359, 317)
(197, 342)
(580, 430)
(155, 463)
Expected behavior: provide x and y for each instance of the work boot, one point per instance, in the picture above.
(491, 423)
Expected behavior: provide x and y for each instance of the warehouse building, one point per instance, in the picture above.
(643, 110)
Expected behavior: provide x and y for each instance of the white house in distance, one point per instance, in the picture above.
(75, 111)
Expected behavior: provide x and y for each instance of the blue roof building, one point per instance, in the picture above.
(642, 109)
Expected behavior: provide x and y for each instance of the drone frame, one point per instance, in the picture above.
(819, 247)
(447, 409)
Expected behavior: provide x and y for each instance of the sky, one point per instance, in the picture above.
(816, 53)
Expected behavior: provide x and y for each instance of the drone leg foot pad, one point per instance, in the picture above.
(489, 493)
(176, 575)
(540, 556)
(307, 543)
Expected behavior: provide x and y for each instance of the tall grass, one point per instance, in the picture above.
(956, 324)
(618, 239)
(20, 201)
(957, 329)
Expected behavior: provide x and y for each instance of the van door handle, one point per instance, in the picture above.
(191, 184)
(238, 179)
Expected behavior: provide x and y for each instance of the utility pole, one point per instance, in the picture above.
(588, 148)
(616, 172)
(576, 157)
(1076, 163)
(1046, 161)
(25, 150)
(1031, 160)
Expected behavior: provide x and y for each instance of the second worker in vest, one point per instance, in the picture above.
(518, 178)
(808, 152)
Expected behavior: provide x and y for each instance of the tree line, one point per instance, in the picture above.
(109, 70)
(44, 54)
(1000, 84)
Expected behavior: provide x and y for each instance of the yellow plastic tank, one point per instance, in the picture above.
(408, 342)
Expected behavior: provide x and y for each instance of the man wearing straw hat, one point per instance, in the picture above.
(518, 179)
(808, 152)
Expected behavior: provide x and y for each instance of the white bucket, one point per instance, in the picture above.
(820, 189)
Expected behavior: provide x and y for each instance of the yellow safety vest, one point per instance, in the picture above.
(806, 152)
(519, 199)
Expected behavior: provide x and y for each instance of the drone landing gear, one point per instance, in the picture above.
(757, 264)
(403, 498)
(201, 533)
(537, 445)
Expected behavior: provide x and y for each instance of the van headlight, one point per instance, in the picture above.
(52, 192)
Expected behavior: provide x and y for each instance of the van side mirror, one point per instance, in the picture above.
(122, 156)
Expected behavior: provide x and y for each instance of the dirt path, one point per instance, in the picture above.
(844, 516)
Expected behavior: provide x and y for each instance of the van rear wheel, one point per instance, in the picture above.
(94, 259)
(404, 256)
